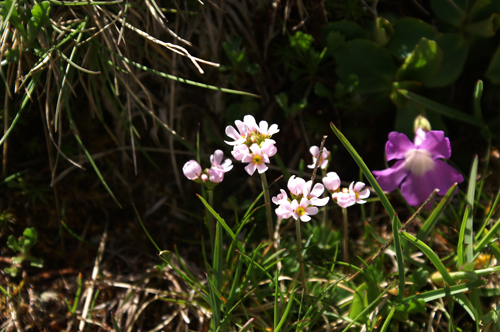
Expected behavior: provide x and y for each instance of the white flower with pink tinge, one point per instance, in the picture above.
(262, 128)
(296, 185)
(303, 210)
(256, 159)
(323, 161)
(344, 198)
(216, 172)
(359, 194)
(192, 170)
(331, 181)
(239, 136)
(314, 194)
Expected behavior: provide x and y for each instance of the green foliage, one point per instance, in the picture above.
(23, 246)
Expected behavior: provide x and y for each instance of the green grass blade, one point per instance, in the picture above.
(431, 255)
(446, 291)
(287, 310)
(399, 259)
(89, 157)
(367, 310)
(443, 110)
(388, 319)
(461, 236)
(436, 213)
(478, 93)
(380, 193)
(84, 3)
(223, 223)
(487, 238)
(490, 213)
(115, 325)
(31, 88)
(469, 231)
(179, 79)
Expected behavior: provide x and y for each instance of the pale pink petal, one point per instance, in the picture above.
(227, 165)
(216, 158)
(250, 168)
(317, 190)
(295, 185)
(314, 150)
(273, 130)
(331, 181)
(192, 170)
(262, 168)
(256, 149)
(215, 175)
(312, 210)
(249, 121)
(319, 201)
(305, 218)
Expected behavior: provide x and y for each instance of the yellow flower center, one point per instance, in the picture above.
(257, 160)
(418, 161)
(300, 211)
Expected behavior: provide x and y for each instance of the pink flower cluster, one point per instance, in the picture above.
(212, 176)
(345, 197)
(252, 143)
(303, 202)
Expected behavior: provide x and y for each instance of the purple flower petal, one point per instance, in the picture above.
(416, 189)
(397, 145)
(438, 145)
(390, 178)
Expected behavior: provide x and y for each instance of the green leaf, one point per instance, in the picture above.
(360, 301)
(410, 307)
(399, 258)
(409, 110)
(443, 110)
(349, 29)
(450, 11)
(40, 17)
(423, 63)
(334, 41)
(446, 291)
(301, 41)
(482, 9)
(408, 32)
(418, 279)
(432, 220)
(12, 244)
(469, 230)
(485, 28)
(455, 50)
(373, 65)
(383, 31)
(493, 72)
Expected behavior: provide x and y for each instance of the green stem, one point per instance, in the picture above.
(299, 248)
(267, 200)
(210, 219)
(346, 238)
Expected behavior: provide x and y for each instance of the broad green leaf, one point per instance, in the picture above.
(408, 32)
(301, 41)
(485, 28)
(482, 9)
(493, 72)
(418, 279)
(334, 41)
(455, 50)
(349, 29)
(450, 11)
(410, 307)
(40, 17)
(364, 295)
(373, 65)
(12, 244)
(423, 63)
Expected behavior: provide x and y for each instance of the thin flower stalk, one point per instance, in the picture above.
(267, 200)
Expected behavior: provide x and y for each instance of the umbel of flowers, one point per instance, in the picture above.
(212, 176)
(252, 143)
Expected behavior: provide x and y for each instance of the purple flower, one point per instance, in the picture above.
(418, 168)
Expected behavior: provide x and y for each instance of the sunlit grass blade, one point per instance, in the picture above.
(399, 259)
(436, 213)
(366, 171)
(245, 327)
(84, 3)
(115, 324)
(287, 310)
(487, 237)
(30, 89)
(388, 319)
(459, 275)
(180, 79)
(431, 255)
(469, 230)
(443, 110)
(492, 208)
(461, 242)
(223, 223)
(478, 93)
(446, 291)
